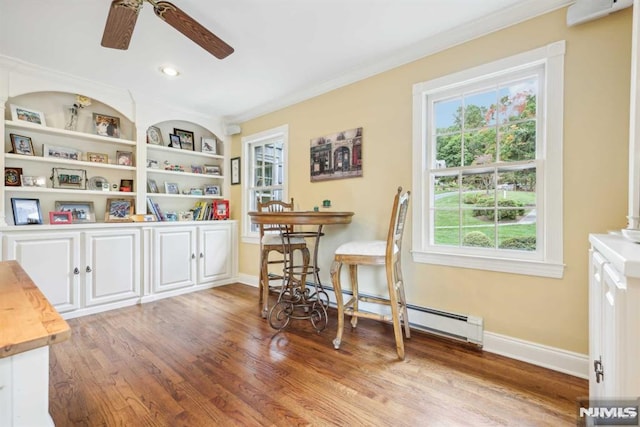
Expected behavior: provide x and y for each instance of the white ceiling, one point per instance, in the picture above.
(285, 50)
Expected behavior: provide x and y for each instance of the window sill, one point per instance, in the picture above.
(526, 267)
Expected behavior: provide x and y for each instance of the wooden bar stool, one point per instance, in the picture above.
(375, 252)
(271, 240)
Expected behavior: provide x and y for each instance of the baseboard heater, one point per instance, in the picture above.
(452, 325)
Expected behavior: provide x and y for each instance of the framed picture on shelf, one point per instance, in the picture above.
(61, 152)
(235, 171)
(26, 211)
(126, 185)
(21, 145)
(58, 218)
(220, 209)
(34, 181)
(174, 141)
(69, 178)
(124, 158)
(209, 145)
(185, 216)
(81, 212)
(106, 125)
(212, 190)
(24, 114)
(186, 139)
(152, 186)
(211, 170)
(154, 136)
(196, 191)
(12, 177)
(97, 158)
(196, 169)
(119, 210)
(171, 188)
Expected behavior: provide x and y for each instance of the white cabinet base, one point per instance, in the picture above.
(24, 389)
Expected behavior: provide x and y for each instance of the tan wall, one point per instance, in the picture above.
(547, 311)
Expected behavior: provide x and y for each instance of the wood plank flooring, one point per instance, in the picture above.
(208, 359)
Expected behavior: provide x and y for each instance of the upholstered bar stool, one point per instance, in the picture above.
(375, 252)
(271, 240)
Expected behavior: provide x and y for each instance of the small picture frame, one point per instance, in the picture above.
(34, 181)
(21, 145)
(154, 136)
(152, 186)
(174, 141)
(12, 177)
(235, 171)
(220, 209)
(196, 192)
(209, 145)
(185, 216)
(97, 157)
(69, 178)
(171, 188)
(26, 211)
(61, 152)
(212, 170)
(106, 125)
(124, 158)
(126, 185)
(119, 210)
(186, 139)
(196, 169)
(59, 218)
(212, 190)
(81, 212)
(24, 114)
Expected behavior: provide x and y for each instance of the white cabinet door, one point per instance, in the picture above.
(52, 260)
(174, 258)
(215, 253)
(596, 294)
(112, 266)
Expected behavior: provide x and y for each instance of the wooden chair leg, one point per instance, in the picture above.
(353, 276)
(403, 299)
(395, 315)
(337, 288)
(264, 285)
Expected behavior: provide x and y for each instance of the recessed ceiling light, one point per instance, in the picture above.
(169, 71)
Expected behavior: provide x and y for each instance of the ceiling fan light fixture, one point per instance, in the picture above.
(169, 71)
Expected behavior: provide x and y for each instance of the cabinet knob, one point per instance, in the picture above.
(193, 256)
(598, 369)
(76, 271)
(201, 255)
(89, 269)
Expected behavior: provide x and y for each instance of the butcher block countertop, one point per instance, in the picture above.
(27, 319)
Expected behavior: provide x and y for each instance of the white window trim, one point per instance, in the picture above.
(551, 264)
(281, 132)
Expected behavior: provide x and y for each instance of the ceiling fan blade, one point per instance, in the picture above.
(122, 18)
(188, 26)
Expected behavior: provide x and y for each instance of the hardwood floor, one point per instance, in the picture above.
(208, 359)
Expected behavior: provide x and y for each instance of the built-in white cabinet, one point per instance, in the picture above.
(614, 317)
(76, 270)
(187, 256)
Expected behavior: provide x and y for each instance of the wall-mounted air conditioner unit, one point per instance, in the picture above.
(587, 10)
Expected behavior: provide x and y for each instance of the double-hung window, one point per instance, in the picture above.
(264, 162)
(488, 166)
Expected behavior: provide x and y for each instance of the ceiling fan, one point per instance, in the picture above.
(124, 13)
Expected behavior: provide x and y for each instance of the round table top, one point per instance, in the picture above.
(301, 217)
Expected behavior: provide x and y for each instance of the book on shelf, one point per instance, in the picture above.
(153, 208)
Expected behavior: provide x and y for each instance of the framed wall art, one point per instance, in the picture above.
(69, 178)
(26, 211)
(235, 171)
(220, 209)
(154, 136)
(61, 152)
(24, 114)
(174, 141)
(209, 145)
(171, 188)
(21, 145)
(34, 181)
(211, 170)
(186, 139)
(58, 218)
(106, 125)
(119, 210)
(212, 190)
(97, 158)
(336, 156)
(124, 158)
